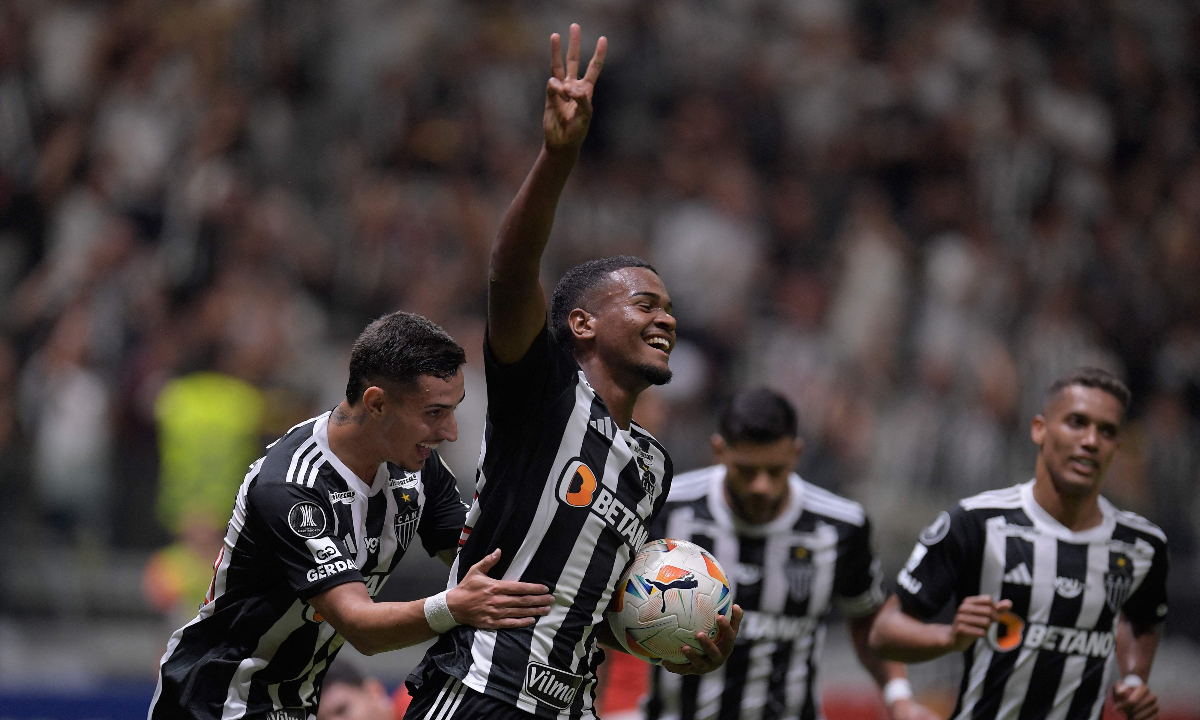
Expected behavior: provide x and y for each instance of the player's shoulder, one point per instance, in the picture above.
(819, 501)
(987, 502)
(694, 485)
(1136, 524)
(292, 461)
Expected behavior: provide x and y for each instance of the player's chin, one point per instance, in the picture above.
(655, 373)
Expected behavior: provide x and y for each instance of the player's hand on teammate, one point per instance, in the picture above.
(569, 97)
(975, 615)
(715, 653)
(489, 604)
(1136, 701)
(910, 710)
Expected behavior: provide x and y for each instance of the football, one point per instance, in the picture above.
(672, 590)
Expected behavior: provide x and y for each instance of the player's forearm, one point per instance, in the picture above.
(525, 230)
(880, 669)
(1136, 646)
(380, 627)
(902, 638)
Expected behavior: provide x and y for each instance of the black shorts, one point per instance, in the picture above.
(445, 697)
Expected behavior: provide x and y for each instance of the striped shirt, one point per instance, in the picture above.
(567, 496)
(1052, 655)
(302, 523)
(786, 575)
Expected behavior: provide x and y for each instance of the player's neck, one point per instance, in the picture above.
(619, 397)
(351, 445)
(1074, 512)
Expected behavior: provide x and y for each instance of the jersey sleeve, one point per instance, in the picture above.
(444, 514)
(298, 532)
(935, 569)
(857, 577)
(517, 392)
(1148, 604)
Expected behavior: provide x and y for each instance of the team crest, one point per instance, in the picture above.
(799, 572)
(406, 525)
(1118, 582)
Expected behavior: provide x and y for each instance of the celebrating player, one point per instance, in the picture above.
(567, 482)
(791, 548)
(318, 525)
(1056, 588)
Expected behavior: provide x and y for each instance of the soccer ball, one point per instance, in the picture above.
(672, 590)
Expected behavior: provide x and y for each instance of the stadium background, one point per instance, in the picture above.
(908, 216)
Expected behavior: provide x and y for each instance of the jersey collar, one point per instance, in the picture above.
(1043, 521)
(718, 505)
(321, 435)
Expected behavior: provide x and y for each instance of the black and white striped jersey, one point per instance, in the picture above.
(786, 575)
(1052, 656)
(567, 496)
(302, 523)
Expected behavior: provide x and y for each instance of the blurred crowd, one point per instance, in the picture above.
(909, 216)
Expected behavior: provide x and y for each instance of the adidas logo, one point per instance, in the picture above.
(1019, 575)
(605, 427)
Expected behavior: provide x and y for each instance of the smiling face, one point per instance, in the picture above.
(1078, 434)
(409, 423)
(630, 325)
(756, 475)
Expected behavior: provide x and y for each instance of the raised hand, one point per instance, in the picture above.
(975, 615)
(569, 97)
(715, 653)
(487, 603)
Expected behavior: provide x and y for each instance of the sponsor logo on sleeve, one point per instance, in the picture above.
(937, 530)
(322, 549)
(551, 686)
(307, 519)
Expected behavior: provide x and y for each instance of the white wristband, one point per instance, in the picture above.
(1132, 680)
(897, 689)
(437, 613)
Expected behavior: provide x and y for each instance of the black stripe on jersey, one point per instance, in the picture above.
(1017, 550)
(689, 696)
(1064, 612)
(288, 662)
(749, 596)
(552, 555)
(781, 662)
(809, 710)
(373, 526)
(1090, 685)
(704, 541)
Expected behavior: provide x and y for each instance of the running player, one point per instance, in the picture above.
(1056, 589)
(318, 525)
(792, 550)
(567, 483)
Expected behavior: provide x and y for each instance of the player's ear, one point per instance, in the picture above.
(1037, 429)
(373, 399)
(581, 322)
(719, 446)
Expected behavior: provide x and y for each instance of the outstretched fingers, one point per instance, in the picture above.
(597, 64)
(573, 52)
(556, 63)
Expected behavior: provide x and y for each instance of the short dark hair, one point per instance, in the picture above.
(758, 415)
(1094, 378)
(399, 348)
(578, 282)
(345, 672)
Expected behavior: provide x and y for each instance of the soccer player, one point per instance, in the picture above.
(1055, 588)
(793, 550)
(318, 525)
(567, 483)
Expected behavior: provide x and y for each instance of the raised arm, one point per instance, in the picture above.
(516, 303)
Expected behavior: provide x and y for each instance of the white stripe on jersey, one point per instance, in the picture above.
(305, 448)
(1089, 614)
(239, 688)
(1009, 497)
(990, 582)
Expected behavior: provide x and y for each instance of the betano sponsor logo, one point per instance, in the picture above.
(1012, 632)
(550, 685)
(770, 627)
(578, 488)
